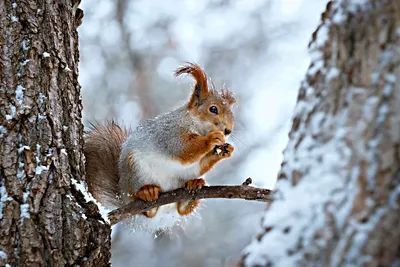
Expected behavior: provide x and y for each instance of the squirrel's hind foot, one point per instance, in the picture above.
(186, 207)
(149, 192)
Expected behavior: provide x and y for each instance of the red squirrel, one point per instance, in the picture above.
(169, 151)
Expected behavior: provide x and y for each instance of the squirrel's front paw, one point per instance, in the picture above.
(216, 138)
(194, 184)
(224, 150)
(149, 192)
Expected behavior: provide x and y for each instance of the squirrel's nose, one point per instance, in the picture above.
(227, 131)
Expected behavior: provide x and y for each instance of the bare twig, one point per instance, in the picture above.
(243, 191)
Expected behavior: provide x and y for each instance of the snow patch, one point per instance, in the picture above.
(38, 153)
(42, 97)
(25, 62)
(13, 112)
(25, 196)
(322, 35)
(332, 73)
(41, 117)
(354, 5)
(40, 168)
(3, 130)
(22, 148)
(3, 199)
(339, 17)
(81, 186)
(25, 45)
(25, 211)
(19, 93)
(391, 78)
(3, 255)
(317, 66)
(45, 54)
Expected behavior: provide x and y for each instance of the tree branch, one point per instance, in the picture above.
(243, 191)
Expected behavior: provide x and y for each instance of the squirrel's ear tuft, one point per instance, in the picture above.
(200, 91)
(228, 96)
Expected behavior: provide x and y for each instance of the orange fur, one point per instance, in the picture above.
(228, 96)
(103, 145)
(149, 192)
(196, 146)
(194, 184)
(186, 207)
(200, 91)
(130, 159)
(217, 124)
(209, 160)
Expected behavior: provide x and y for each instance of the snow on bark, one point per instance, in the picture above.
(337, 199)
(44, 219)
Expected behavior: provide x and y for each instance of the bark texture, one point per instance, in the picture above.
(338, 194)
(44, 221)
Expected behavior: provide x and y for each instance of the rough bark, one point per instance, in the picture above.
(44, 221)
(338, 196)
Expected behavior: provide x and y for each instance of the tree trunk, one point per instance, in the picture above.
(44, 221)
(338, 194)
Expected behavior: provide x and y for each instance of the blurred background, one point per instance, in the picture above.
(257, 48)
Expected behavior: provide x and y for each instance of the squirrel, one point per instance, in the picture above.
(169, 151)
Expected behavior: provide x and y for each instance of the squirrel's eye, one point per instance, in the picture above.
(214, 109)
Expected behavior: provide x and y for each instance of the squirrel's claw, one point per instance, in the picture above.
(149, 192)
(194, 184)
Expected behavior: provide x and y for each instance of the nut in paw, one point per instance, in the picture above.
(224, 150)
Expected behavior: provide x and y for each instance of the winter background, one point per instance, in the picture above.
(258, 48)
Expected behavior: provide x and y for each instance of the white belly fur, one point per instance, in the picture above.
(160, 170)
(168, 174)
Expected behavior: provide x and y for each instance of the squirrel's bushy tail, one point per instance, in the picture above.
(102, 150)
